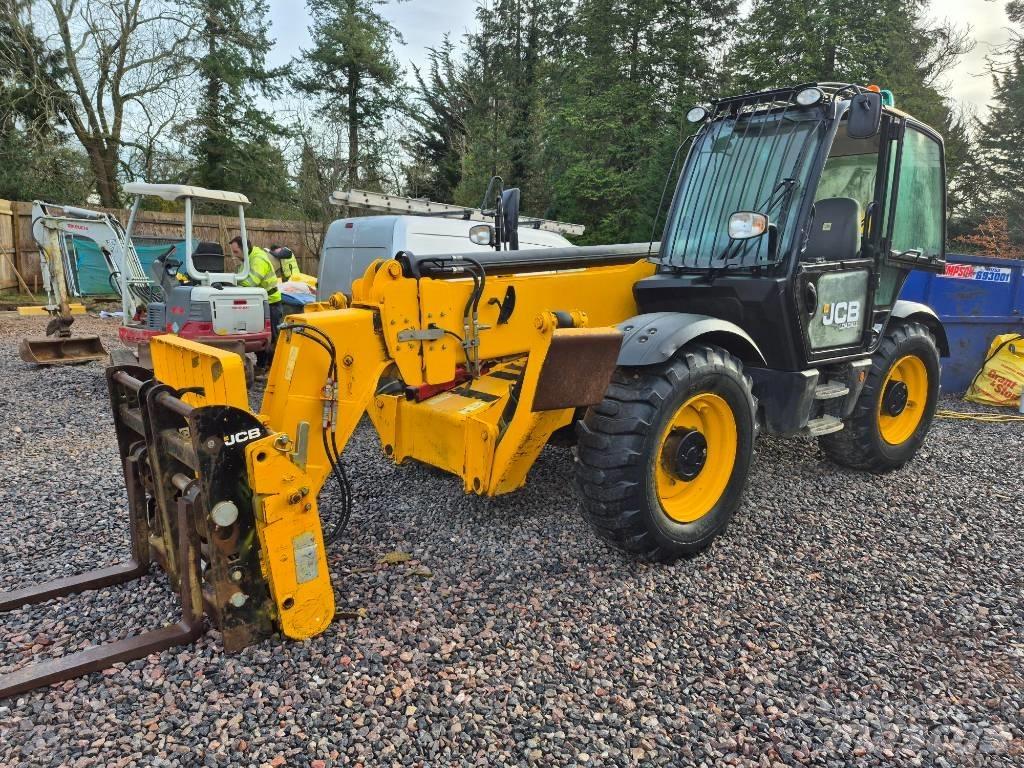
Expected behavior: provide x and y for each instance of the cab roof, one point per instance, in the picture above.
(175, 192)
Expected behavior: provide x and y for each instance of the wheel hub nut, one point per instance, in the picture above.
(894, 401)
(686, 452)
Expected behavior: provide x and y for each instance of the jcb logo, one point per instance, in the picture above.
(844, 314)
(242, 437)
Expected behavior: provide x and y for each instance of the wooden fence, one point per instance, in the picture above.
(19, 256)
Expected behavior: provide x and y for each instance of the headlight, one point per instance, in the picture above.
(481, 234)
(696, 115)
(744, 225)
(809, 96)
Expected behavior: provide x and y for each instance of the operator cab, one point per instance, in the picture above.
(797, 216)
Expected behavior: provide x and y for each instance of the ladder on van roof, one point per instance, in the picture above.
(418, 206)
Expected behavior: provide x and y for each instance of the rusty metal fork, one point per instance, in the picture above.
(98, 657)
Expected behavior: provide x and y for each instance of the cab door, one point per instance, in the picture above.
(914, 231)
(839, 264)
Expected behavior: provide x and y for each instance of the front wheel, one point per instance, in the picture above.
(662, 461)
(895, 408)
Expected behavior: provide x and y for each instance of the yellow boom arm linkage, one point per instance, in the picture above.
(477, 399)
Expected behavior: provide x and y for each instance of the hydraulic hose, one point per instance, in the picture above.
(328, 435)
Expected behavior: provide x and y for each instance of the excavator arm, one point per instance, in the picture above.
(58, 346)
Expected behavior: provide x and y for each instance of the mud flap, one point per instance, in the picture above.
(577, 368)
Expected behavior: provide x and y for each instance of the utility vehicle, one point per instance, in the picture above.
(411, 224)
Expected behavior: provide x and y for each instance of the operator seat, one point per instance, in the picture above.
(208, 256)
(835, 230)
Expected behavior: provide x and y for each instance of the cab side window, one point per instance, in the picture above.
(849, 176)
(919, 209)
(850, 171)
(917, 225)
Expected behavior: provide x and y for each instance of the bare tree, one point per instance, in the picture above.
(322, 169)
(155, 148)
(319, 155)
(121, 63)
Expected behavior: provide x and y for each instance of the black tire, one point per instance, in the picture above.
(860, 444)
(620, 442)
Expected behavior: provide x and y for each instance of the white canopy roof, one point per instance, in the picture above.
(174, 192)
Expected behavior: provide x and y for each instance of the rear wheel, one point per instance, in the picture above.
(896, 407)
(663, 459)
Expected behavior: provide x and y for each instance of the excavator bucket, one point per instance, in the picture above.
(55, 350)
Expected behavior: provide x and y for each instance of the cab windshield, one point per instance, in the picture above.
(753, 162)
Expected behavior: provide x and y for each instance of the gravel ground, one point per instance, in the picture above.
(843, 619)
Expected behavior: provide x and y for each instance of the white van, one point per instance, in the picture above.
(351, 244)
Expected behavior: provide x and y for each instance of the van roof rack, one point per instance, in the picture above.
(418, 206)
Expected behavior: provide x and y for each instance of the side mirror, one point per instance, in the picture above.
(865, 115)
(481, 234)
(746, 225)
(510, 206)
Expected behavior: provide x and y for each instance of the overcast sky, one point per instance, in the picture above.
(424, 22)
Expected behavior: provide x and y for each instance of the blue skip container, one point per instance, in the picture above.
(977, 298)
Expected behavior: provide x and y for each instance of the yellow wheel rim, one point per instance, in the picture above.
(897, 422)
(688, 500)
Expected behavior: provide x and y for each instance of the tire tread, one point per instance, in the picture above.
(610, 475)
(854, 445)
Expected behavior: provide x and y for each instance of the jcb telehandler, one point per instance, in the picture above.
(770, 305)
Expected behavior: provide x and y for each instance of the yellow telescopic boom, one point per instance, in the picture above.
(464, 365)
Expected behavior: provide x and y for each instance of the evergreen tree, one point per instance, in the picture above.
(889, 43)
(322, 169)
(510, 90)
(1000, 138)
(792, 41)
(437, 136)
(40, 167)
(631, 71)
(37, 163)
(234, 142)
(22, 55)
(353, 72)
